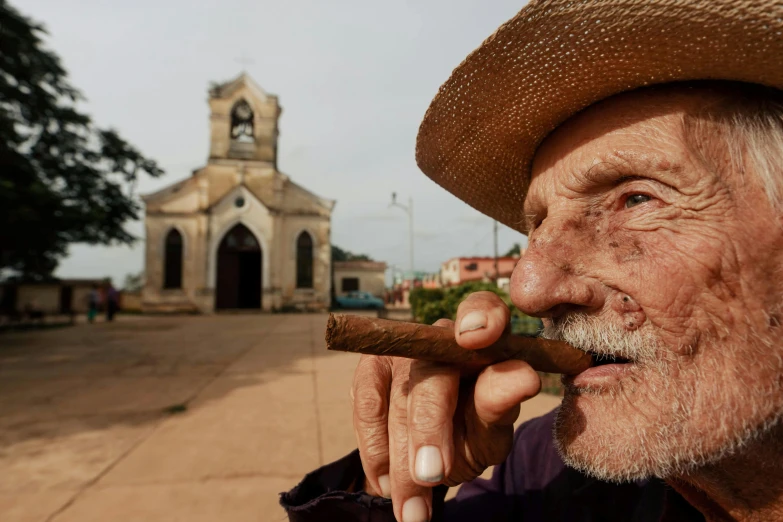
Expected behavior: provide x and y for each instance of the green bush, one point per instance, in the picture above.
(429, 305)
(419, 297)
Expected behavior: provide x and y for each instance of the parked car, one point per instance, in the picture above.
(359, 300)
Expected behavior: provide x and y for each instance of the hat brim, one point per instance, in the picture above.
(555, 58)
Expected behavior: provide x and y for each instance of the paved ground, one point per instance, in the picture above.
(92, 427)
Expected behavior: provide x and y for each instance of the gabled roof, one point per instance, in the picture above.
(325, 202)
(296, 198)
(166, 191)
(226, 89)
(231, 192)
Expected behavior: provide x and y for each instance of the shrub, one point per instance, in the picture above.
(429, 305)
(419, 297)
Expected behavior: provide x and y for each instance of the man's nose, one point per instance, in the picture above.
(550, 279)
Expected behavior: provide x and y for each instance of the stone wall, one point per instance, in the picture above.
(318, 297)
(39, 297)
(202, 234)
(192, 228)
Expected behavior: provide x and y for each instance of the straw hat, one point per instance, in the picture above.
(557, 57)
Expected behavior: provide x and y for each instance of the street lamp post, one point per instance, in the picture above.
(409, 210)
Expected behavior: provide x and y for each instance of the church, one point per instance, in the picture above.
(238, 233)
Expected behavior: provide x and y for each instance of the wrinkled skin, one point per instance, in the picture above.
(632, 229)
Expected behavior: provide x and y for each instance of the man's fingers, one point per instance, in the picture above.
(489, 417)
(432, 400)
(444, 323)
(501, 388)
(370, 393)
(481, 319)
(410, 501)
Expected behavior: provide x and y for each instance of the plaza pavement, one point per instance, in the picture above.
(198, 418)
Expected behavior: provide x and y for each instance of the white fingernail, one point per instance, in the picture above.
(415, 510)
(473, 321)
(385, 484)
(429, 464)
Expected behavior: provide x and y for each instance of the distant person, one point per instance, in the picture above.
(93, 299)
(112, 301)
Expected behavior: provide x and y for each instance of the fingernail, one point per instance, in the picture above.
(473, 321)
(385, 484)
(415, 510)
(429, 464)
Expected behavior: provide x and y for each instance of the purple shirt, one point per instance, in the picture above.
(532, 485)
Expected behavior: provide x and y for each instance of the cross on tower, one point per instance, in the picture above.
(244, 61)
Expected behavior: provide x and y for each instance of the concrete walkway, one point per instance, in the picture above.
(171, 419)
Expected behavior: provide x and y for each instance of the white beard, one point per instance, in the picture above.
(678, 410)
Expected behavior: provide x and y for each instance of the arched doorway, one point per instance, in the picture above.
(239, 261)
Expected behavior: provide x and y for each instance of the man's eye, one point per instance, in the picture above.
(636, 199)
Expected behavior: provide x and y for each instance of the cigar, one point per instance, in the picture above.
(369, 335)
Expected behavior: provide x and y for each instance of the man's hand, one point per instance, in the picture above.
(418, 424)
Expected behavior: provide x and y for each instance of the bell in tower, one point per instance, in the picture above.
(244, 122)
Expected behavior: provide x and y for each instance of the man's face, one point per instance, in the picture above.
(639, 250)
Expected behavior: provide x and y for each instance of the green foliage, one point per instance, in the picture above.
(420, 297)
(338, 254)
(514, 250)
(429, 305)
(133, 282)
(63, 179)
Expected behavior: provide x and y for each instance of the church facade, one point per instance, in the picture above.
(238, 233)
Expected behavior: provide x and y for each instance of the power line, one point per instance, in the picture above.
(480, 241)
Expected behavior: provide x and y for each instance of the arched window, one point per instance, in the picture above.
(172, 264)
(242, 122)
(304, 261)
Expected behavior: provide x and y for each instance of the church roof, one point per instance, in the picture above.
(226, 89)
(296, 198)
(165, 191)
(289, 197)
(328, 203)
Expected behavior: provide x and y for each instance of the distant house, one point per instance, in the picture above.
(58, 296)
(365, 276)
(431, 281)
(460, 270)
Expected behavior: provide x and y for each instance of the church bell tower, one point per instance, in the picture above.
(243, 121)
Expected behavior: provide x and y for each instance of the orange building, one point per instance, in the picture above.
(459, 270)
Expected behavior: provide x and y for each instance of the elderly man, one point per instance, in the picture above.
(639, 144)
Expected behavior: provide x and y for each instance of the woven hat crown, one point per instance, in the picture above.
(557, 57)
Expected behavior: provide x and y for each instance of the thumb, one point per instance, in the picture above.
(481, 319)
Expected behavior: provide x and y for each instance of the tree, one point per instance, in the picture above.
(63, 179)
(514, 250)
(133, 282)
(338, 254)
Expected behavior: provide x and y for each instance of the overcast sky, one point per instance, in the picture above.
(354, 79)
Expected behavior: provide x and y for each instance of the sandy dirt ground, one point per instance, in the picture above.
(171, 418)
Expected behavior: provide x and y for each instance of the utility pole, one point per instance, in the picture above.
(497, 269)
(409, 210)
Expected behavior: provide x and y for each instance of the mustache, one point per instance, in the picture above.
(600, 337)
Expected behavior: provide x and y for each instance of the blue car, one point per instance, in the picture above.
(354, 300)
